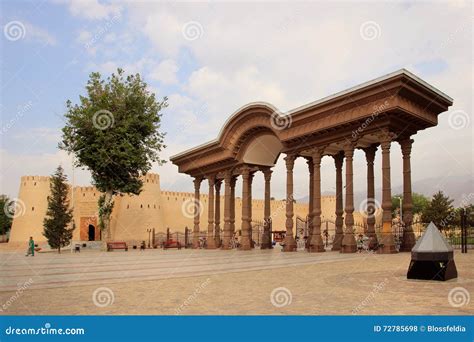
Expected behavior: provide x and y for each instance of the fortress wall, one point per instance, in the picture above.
(153, 208)
(133, 215)
(31, 210)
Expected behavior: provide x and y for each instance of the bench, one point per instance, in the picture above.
(171, 244)
(116, 245)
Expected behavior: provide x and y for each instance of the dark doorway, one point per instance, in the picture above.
(91, 233)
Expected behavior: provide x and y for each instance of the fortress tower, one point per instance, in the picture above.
(30, 209)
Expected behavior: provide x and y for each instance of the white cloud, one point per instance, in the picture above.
(92, 9)
(38, 34)
(165, 72)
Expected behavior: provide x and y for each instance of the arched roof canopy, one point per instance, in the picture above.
(400, 103)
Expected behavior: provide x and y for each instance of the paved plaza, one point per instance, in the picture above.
(226, 282)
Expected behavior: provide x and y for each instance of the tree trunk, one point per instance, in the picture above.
(107, 236)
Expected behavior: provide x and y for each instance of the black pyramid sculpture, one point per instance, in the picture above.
(432, 257)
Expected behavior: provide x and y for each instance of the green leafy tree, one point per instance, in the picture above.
(440, 211)
(59, 215)
(114, 132)
(420, 202)
(5, 214)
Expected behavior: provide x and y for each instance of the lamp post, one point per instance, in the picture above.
(149, 236)
(401, 210)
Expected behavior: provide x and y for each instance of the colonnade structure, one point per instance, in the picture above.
(373, 115)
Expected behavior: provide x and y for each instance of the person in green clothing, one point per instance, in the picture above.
(31, 247)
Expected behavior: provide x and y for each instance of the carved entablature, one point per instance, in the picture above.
(399, 103)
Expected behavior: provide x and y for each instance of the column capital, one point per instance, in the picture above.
(309, 161)
(290, 161)
(339, 160)
(317, 155)
(386, 137)
(349, 150)
(370, 154)
(211, 180)
(217, 184)
(228, 176)
(245, 171)
(406, 145)
(267, 174)
(197, 182)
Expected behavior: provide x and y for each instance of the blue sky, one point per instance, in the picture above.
(212, 58)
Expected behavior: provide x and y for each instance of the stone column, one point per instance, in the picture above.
(232, 207)
(197, 211)
(227, 210)
(370, 157)
(290, 243)
(267, 237)
(251, 175)
(245, 241)
(310, 202)
(409, 239)
(387, 239)
(348, 241)
(316, 243)
(217, 223)
(211, 242)
(338, 161)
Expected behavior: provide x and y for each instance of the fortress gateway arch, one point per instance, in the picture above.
(389, 109)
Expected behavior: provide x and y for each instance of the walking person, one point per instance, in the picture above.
(31, 247)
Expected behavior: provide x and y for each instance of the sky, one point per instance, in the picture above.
(211, 58)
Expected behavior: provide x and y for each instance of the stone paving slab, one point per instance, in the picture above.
(228, 283)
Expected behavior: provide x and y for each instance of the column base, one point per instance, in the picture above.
(316, 245)
(348, 244)
(245, 244)
(196, 243)
(387, 249)
(316, 249)
(336, 244)
(373, 242)
(290, 244)
(408, 242)
(211, 244)
(225, 247)
(266, 246)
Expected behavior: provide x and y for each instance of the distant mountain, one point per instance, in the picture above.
(458, 188)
